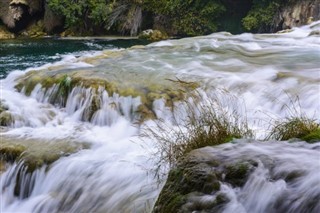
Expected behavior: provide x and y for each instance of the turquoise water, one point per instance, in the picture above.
(23, 54)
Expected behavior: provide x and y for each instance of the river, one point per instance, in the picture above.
(263, 75)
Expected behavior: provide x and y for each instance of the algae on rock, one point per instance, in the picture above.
(34, 153)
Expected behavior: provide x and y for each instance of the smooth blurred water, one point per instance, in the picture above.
(20, 54)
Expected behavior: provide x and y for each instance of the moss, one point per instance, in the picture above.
(10, 152)
(313, 136)
(2, 166)
(6, 119)
(36, 153)
(237, 174)
(171, 198)
(3, 106)
(148, 91)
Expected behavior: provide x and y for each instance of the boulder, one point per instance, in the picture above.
(153, 35)
(200, 175)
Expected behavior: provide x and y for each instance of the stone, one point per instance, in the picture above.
(6, 119)
(34, 153)
(153, 35)
(197, 175)
(314, 33)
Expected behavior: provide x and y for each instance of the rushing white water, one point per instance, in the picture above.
(286, 179)
(267, 72)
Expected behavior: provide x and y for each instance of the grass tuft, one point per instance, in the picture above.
(295, 125)
(197, 122)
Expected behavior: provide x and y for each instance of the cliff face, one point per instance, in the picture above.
(297, 14)
(17, 14)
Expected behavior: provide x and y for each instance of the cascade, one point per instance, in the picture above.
(103, 101)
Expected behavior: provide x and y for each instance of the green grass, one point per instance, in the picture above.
(206, 124)
(300, 127)
(296, 124)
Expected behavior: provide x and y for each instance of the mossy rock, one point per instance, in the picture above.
(2, 166)
(199, 174)
(153, 35)
(129, 85)
(6, 118)
(35, 30)
(237, 174)
(35, 153)
(3, 106)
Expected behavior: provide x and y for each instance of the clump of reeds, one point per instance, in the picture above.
(197, 122)
(295, 125)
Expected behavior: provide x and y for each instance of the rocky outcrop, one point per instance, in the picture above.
(297, 14)
(22, 17)
(17, 14)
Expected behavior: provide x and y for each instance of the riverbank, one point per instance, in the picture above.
(38, 18)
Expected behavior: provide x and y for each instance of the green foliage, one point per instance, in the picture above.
(86, 15)
(82, 14)
(192, 17)
(261, 15)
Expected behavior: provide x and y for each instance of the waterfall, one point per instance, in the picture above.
(260, 76)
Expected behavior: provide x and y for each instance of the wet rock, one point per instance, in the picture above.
(6, 118)
(2, 166)
(3, 106)
(194, 185)
(315, 33)
(153, 35)
(34, 153)
(133, 84)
